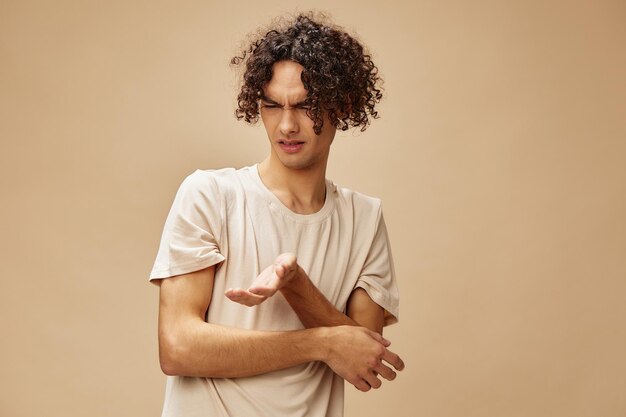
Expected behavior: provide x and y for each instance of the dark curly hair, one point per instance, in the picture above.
(340, 78)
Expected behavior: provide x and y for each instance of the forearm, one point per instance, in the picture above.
(197, 348)
(311, 306)
(188, 346)
(354, 353)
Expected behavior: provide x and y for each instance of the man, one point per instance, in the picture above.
(262, 262)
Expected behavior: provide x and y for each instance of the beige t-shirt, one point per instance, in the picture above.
(229, 218)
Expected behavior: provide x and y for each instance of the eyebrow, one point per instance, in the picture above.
(269, 100)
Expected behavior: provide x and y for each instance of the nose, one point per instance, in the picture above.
(288, 122)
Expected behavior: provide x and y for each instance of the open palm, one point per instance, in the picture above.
(267, 283)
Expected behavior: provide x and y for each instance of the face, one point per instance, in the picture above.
(290, 131)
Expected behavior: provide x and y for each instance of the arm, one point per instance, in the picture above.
(362, 309)
(314, 309)
(189, 346)
(311, 306)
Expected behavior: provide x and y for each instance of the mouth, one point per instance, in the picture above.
(290, 146)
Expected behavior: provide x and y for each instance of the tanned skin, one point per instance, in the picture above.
(350, 344)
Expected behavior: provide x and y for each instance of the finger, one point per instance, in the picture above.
(233, 293)
(372, 380)
(244, 297)
(251, 300)
(361, 385)
(287, 258)
(385, 371)
(280, 270)
(393, 360)
(379, 338)
(262, 291)
(288, 264)
(233, 296)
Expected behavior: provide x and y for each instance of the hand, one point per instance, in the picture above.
(357, 354)
(284, 269)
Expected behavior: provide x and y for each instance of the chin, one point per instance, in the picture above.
(297, 165)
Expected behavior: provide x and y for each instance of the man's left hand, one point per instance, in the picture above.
(276, 276)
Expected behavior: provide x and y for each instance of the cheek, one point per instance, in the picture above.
(267, 121)
(328, 132)
(305, 122)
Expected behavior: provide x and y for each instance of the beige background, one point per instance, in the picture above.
(499, 157)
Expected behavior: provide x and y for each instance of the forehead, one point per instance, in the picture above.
(286, 83)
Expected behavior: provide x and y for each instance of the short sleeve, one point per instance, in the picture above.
(378, 277)
(191, 233)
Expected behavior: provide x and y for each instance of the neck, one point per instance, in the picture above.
(301, 190)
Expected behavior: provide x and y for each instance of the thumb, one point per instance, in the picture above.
(279, 270)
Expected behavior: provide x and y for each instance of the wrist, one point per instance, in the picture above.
(322, 345)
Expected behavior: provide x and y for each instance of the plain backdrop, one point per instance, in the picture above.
(499, 157)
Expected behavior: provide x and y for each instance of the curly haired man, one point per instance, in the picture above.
(275, 283)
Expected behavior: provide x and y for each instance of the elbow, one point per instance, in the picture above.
(168, 367)
(182, 354)
(171, 354)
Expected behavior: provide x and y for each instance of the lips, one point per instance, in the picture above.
(290, 146)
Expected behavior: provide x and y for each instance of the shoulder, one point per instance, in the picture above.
(362, 205)
(211, 181)
(207, 177)
(226, 187)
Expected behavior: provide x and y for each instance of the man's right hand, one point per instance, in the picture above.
(357, 354)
